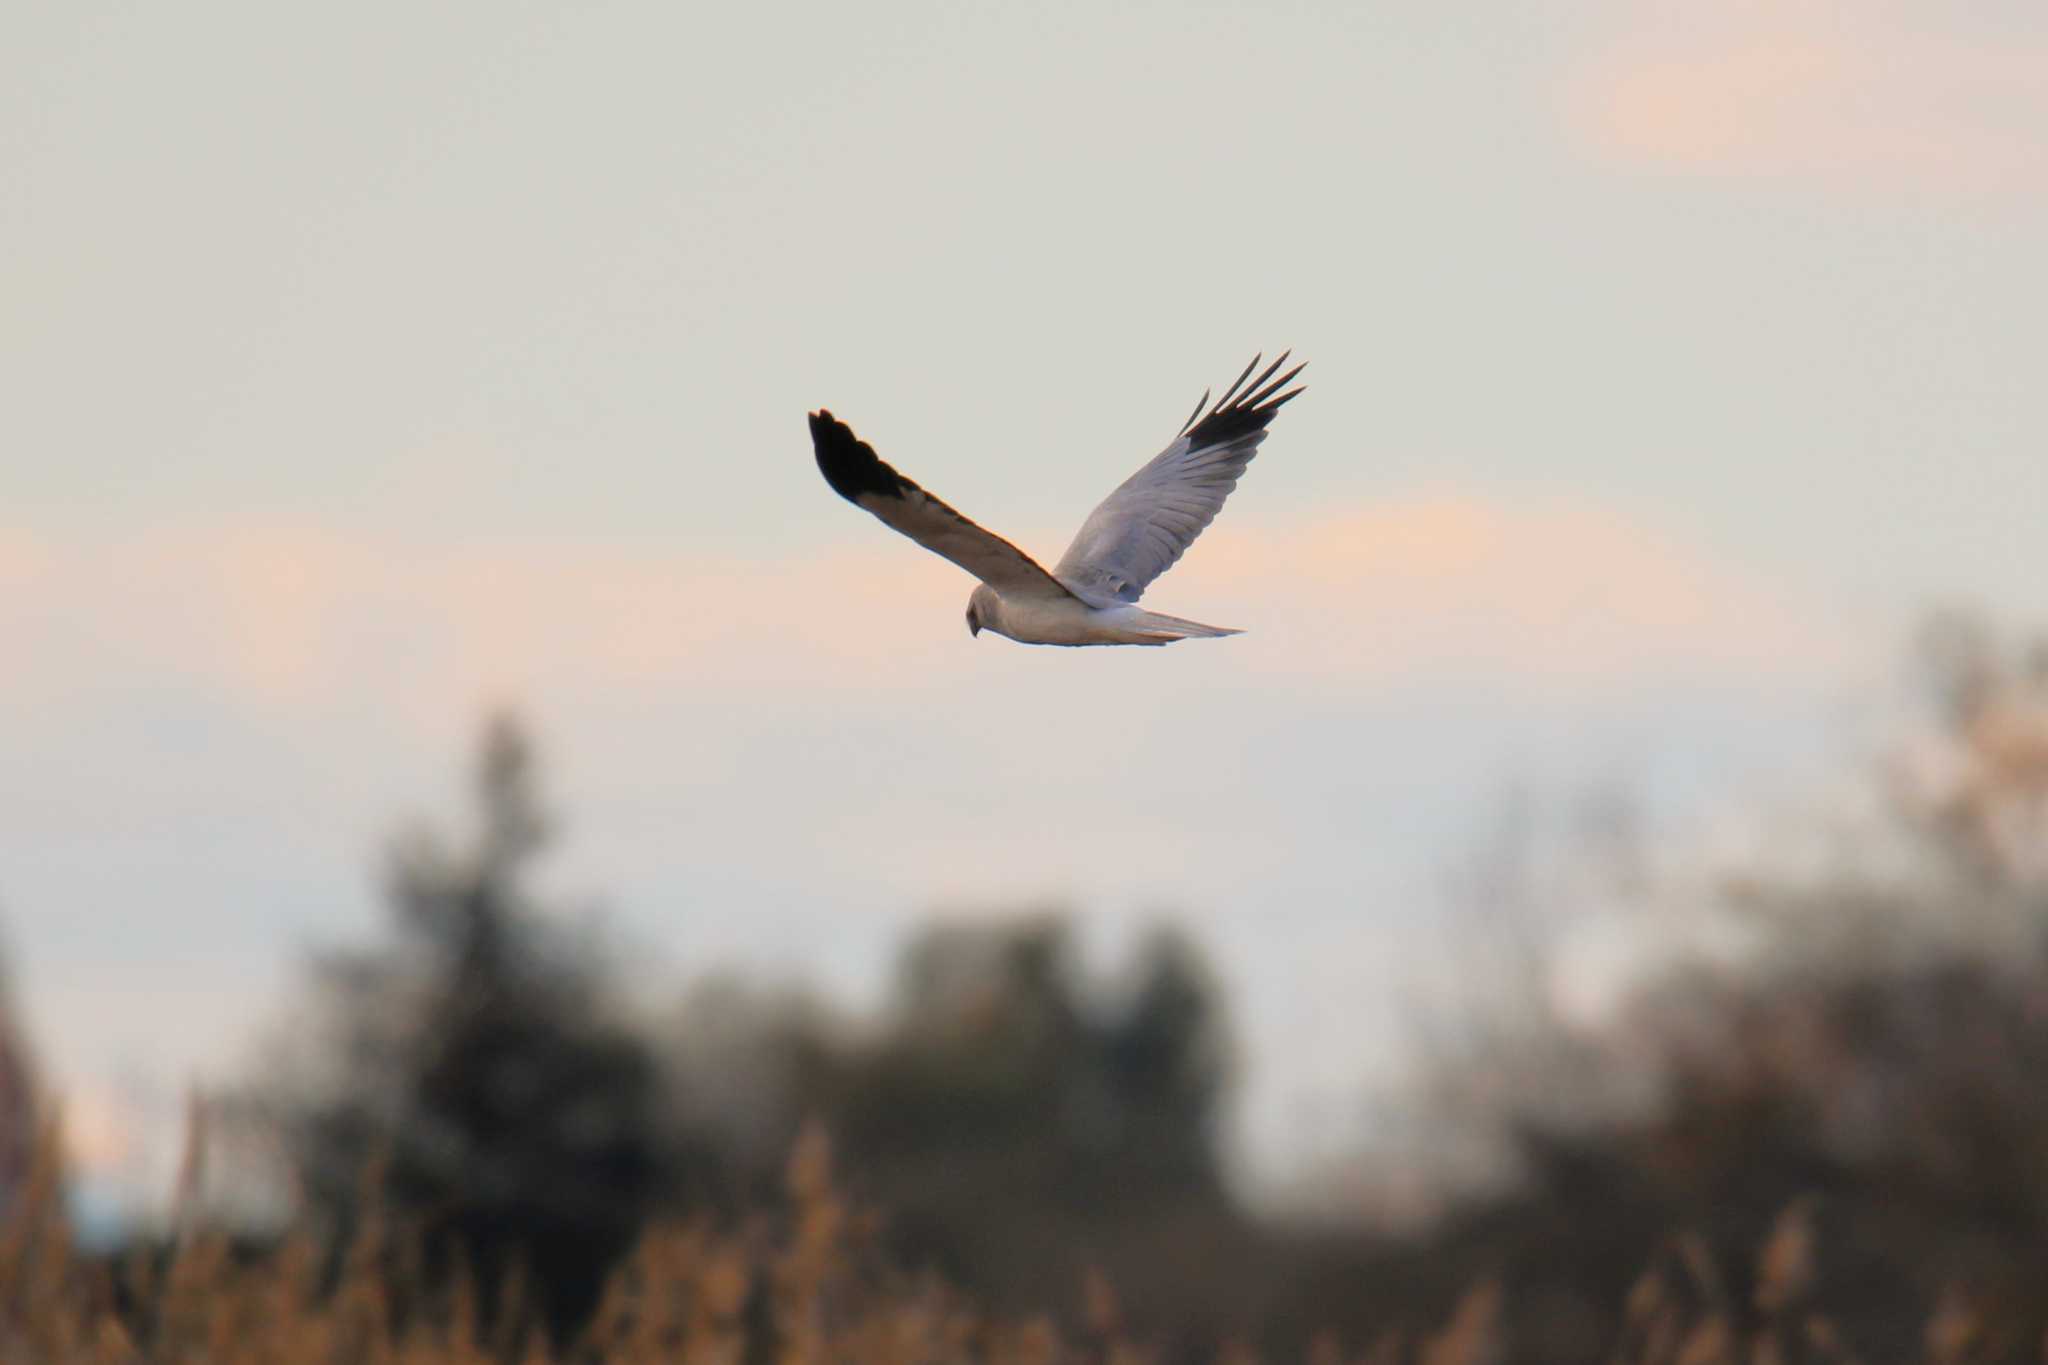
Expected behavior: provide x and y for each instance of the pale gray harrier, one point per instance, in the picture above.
(1091, 595)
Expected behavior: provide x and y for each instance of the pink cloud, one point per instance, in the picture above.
(1822, 90)
(102, 1135)
(1568, 596)
(1565, 596)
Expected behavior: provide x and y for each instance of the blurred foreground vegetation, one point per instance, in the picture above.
(807, 1280)
(1827, 1140)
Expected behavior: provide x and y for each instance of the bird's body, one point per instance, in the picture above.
(1090, 597)
(1032, 620)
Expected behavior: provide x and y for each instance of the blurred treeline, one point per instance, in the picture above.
(1854, 1081)
(1008, 1114)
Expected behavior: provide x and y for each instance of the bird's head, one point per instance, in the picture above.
(981, 608)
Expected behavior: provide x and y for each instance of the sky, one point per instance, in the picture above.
(368, 368)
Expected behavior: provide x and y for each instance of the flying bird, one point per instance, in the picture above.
(1091, 596)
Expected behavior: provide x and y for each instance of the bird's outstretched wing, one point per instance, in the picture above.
(1143, 527)
(857, 474)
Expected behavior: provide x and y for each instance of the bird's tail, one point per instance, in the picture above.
(1157, 628)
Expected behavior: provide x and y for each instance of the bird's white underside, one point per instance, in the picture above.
(1070, 621)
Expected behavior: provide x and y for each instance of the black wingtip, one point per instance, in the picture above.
(1245, 409)
(848, 463)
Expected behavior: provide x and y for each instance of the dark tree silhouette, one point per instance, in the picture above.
(474, 1060)
(18, 1098)
(1017, 1121)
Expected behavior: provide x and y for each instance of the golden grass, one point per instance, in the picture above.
(804, 1286)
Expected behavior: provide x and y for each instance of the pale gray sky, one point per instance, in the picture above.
(362, 367)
